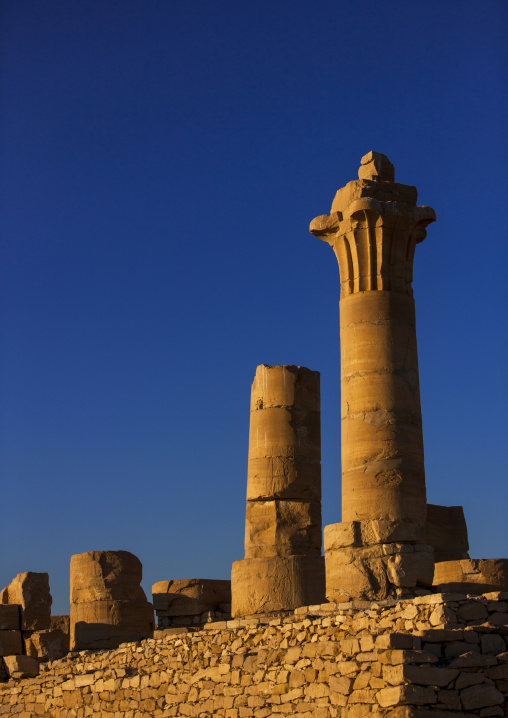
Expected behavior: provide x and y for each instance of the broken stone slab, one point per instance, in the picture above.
(10, 617)
(10, 643)
(106, 575)
(190, 597)
(375, 165)
(473, 576)
(22, 666)
(106, 624)
(266, 585)
(30, 590)
(282, 528)
(46, 645)
(446, 531)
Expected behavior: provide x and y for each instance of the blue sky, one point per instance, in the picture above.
(160, 163)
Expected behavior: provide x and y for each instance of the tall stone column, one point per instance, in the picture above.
(373, 228)
(283, 567)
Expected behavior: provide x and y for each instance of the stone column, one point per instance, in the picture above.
(108, 605)
(283, 567)
(373, 228)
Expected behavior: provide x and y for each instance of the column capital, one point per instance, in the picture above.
(373, 227)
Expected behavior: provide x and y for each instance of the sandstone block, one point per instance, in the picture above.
(284, 477)
(280, 431)
(47, 645)
(190, 597)
(355, 573)
(475, 576)
(282, 528)
(276, 584)
(106, 575)
(22, 666)
(30, 590)
(375, 165)
(288, 385)
(10, 643)
(411, 569)
(61, 622)
(9, 617)
(446, 531)
(106, 624)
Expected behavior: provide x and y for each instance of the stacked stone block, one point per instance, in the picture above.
(283, 567)
(108, 605)
(26, 633)
(373, 228)
(191, 602)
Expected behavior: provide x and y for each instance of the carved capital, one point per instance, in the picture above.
(374, 228)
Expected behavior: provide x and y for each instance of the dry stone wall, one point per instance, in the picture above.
(436, 656)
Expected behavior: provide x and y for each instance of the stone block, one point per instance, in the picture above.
(446, 531)
(30, 590)
(22, 666)
(47, 645)
(106, 624)
(473, 576)
(408, 570)
(355, 573)
(282, 528)
(10, 617)
(190, 597)
(276, 584)
(284, 477)
(61, 622)
(289, 385)
(376, 166)
(106, 575)
(286, 432)
(10, 643)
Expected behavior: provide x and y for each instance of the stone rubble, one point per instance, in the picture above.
(435, 656)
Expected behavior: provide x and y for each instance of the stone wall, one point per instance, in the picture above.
(440, 656)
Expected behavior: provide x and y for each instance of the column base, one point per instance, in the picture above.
(374, 560)
(471, 576)
(276, 583)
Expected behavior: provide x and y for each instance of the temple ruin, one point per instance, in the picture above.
(394, 621)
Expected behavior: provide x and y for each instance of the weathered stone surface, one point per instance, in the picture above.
(106, 575)
(276, 584)
(30, 590)
(10, 643)
(189, 597)
(22, 666)
(9, 617)
(47, 645)
(374, 165)
(61, 622)
(282, 528)
(446, 531)
(474, 576)
(108, 605)
(411, 569)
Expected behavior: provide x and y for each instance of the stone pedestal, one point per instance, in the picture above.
(283, 565)
(108, 605)
(374, 227)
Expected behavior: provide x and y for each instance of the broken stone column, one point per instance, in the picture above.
(283, 567)
(373, 228)
(108, 605)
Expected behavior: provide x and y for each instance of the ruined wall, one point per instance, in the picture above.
(441, 656)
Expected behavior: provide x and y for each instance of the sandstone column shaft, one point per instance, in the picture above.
(283, 567)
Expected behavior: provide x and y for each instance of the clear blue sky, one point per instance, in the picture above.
(160, 163)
